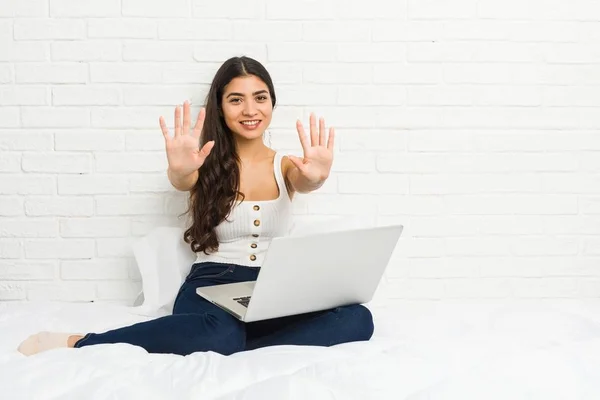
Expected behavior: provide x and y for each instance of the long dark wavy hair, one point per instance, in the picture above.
(214, 194)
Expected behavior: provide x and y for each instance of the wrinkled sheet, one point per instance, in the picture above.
(420, 350)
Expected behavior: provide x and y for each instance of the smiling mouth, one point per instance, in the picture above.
(251, 123)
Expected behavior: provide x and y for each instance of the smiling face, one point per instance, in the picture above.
(247, 107)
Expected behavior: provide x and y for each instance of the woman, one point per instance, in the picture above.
(240, 198)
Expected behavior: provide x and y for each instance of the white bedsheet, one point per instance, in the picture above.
(493, 350)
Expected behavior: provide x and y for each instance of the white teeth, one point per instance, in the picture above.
(250, 122)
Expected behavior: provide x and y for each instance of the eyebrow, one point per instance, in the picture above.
(242, 95)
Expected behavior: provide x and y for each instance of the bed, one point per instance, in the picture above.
(420, 350)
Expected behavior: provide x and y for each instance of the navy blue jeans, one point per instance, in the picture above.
(198, 325)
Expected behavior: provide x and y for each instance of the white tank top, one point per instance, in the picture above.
(244, 236)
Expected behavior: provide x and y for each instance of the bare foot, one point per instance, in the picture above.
(44, 341)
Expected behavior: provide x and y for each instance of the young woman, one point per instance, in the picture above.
(240, 197)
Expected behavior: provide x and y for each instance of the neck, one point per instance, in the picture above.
(250, 150)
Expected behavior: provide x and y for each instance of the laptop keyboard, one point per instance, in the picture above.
(243, 300)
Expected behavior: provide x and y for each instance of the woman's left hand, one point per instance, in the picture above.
(315, 166)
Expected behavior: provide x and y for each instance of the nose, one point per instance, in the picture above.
(249, 109)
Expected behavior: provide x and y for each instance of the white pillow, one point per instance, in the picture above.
(164, 259)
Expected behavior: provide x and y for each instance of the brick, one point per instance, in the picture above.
(330, 74)
(129, 205)
(59, 206)
(94, 269)
(176, 203)
(27, 270)
(29, 184)
(413, 73)
(85, 95)
(431, 268)
(478, 246)
(391, 95)
(571, 183)
(554, 287)
(59, 117)
(121, 28)
(145, 141)
(300, 10)
(331, 204)
(415, 289)
(61, 291)
(439, 96)
(88, 140)
(23, 96)
(131, 162)
(409, 205)
(372, 52)
(571, 225)
(158, 51)
(439, 9)
(149, 183)
(124, 73)
(141, 8)
(10, 162)
(28, 228)
(289, 95)
(353, 162)
(590, 204)
(373, 183)
(591, 246)
(335, 31)
(570, 97)
(94, 228)
(57, 163)
(51, 73)
(12, 291)
(167, 95)
(6, 76)
(11, 206)
(287, 52)
(532, 204)
(373, 140)
(85, 8)
(189, 29)
(18, 140)
(474, 183)
(49, 29)
(142, 225)
(92, 184)
(257, 31)
(128, 117)
(284, 73)
(10, 117)
(24, 52)
(377, 9)
(235, 9)
(219, 52)
(477, 288)
(11, 248)
(89, 50)
(24, 8)
(58, 248)
(114, 247)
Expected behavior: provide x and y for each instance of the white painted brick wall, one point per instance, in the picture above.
(474, 123)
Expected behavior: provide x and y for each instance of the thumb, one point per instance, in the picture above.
(205, 150)
(297, 162)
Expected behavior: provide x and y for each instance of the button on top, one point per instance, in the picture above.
(253, 257)
(256, 222)
(256, 208)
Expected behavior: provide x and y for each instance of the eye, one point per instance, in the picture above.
(235, 100)
(261, 97)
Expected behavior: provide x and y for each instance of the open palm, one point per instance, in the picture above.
(183, 151)
(315, 166)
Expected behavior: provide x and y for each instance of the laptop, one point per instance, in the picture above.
(301, 274)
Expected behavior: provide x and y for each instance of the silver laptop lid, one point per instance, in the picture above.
(317, 272)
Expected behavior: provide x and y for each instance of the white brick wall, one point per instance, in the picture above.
(474, 123)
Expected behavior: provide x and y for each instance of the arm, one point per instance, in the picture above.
(183, 183)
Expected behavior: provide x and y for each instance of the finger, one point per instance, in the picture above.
(205, 150)
(297, 162)
(163, 128)
(199, 123)
(330, 139)
(186, 118)
(321, 132)
(177, 121)
(302, 136)
(314, 139)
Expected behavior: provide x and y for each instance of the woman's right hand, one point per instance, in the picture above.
(183, 149)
